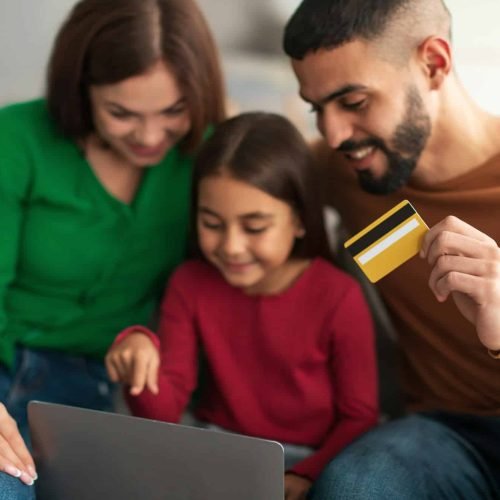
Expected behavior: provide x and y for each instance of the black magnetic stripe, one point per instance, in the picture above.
(382, 229)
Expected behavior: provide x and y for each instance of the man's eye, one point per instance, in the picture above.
(315, 109)
(354, 104)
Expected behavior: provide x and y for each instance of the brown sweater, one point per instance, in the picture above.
(443, 364)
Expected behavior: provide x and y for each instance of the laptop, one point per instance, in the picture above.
(90, 455)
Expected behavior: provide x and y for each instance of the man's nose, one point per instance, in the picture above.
(336, 129)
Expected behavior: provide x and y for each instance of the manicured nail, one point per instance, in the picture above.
(13, 471)
(32, 472)
(27, 479)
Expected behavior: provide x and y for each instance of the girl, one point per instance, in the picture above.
(286, 336)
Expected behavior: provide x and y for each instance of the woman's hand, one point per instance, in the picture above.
(15, 458)
(134, 361)
(466, 264)
(296, 487)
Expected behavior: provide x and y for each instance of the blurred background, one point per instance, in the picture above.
(249, 36)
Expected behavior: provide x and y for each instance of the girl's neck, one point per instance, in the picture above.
(281, 279)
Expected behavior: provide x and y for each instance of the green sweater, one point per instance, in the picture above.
(76, 264)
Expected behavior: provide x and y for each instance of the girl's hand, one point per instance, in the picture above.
(15, 458)
(296, 487)
(134, 361)
(466, 265)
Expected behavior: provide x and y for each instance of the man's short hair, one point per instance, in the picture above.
(399, 25)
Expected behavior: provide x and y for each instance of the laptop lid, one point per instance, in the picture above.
(87, 455)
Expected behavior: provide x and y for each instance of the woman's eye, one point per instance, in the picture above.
(121, 115)
(175, 111)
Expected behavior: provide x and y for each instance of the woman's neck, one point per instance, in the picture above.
(118, 176)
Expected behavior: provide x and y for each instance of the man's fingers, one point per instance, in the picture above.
(447, 243)
(454, 225)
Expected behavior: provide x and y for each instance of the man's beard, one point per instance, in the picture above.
(407, 144)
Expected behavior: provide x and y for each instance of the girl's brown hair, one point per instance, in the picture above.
(106, 41)
(268, 152)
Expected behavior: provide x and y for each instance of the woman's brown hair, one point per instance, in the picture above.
(106, 41)
(266, 151)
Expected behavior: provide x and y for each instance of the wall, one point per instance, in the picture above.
(249, 34)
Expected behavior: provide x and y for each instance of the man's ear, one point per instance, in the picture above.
(436, 60)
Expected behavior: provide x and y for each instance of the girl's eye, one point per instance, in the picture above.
(255, 230)
(211, 225)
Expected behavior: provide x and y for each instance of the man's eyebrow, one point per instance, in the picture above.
(346, 89)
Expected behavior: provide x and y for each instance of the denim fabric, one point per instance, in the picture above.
(13, 489)
(55, 377)
(413, 458)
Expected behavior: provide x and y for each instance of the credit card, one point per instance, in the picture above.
(388, 242)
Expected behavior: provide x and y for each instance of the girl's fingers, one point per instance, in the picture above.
(152, 376)
(112, 370)
(139, 374)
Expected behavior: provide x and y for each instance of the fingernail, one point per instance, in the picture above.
(27, 479)
(13, 471)
(32, 472)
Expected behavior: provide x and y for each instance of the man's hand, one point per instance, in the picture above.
(134, 361)
(296, 487)
(15, 458)
(466, 264)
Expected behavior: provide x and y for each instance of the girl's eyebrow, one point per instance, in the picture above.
(257, 215)
(250, 215)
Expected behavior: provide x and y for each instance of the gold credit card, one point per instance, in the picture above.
(388, 242)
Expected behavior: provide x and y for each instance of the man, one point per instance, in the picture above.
(397, 123)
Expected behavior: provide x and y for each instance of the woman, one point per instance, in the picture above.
(94, 194)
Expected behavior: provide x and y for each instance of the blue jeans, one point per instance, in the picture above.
(413, 458)
(55, 377)
(13, 489)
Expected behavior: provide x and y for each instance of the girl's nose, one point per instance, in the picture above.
(234, 242)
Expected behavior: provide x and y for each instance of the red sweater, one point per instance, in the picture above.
(297, 367)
